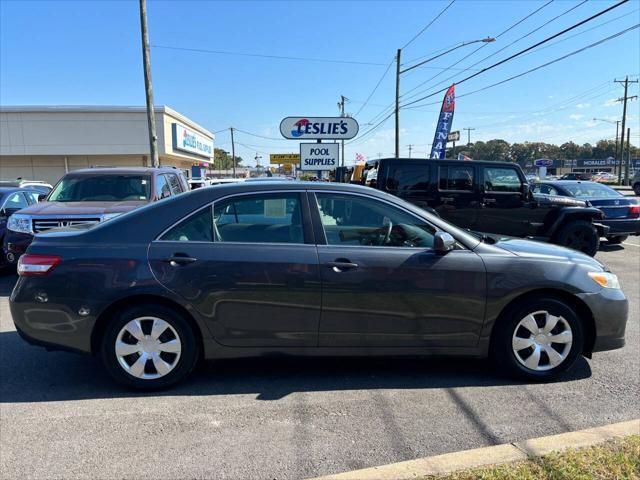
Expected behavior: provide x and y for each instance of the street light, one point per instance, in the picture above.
(400, 72)
(617, 122)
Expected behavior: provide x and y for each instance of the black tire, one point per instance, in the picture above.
(579, 235)
(186, 361)
(617, 239)
(636, 188)
(501, 345)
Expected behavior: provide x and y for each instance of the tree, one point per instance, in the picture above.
(604, 149)
(585, 151)
(569, 150)
(222, 160)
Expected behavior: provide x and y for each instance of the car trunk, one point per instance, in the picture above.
(612, 207)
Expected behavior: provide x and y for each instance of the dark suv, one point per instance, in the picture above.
(90, 196)
(492, 197)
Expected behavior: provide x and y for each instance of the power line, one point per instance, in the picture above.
(575, 52)
(428, 25)
(508, 29)
(276, 57)
(511, 57)
(375, 88)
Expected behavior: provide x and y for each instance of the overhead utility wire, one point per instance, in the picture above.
(546, 64)
(375, 88)
(428, 25)
(277, 57)
(450, 67)
(511, 57)
(511, 27)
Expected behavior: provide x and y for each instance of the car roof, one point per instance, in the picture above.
(4, 190)
(436, 160)
(108, 170)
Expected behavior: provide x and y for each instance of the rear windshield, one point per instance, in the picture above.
(586, 190)
(102, 188)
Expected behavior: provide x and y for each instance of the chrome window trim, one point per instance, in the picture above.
(383, 200)
(212, 205)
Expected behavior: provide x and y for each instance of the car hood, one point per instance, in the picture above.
(558, 200)
(545, 251)
(81, 208)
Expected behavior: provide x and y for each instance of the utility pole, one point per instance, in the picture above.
(624, 119)
(628, 160)
(468, 135)
(410, 149)
(148, 88)
(398, 103)
(341, 106)
(233, 153)
(615, 162)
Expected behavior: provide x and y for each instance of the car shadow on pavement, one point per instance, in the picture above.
(611, 247)
(31, 374)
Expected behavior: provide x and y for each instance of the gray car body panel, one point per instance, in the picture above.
(111, 262)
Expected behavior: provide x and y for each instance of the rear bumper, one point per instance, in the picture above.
(610, 309)
(623, 226)
(15, 244)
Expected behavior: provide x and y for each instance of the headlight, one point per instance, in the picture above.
(19, 223)
(109, 216)
(605, 279)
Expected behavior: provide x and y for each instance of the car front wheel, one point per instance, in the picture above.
(538, 339)
(580, 235)
(149, 347)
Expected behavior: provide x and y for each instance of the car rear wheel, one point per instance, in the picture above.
(580, 235)
(149, 347)
(538, 339)
(617, 239)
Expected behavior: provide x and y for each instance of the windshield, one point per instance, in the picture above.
(589, 190)
(102, 188)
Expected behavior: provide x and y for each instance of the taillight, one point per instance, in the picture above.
(634, 210)
(34, 265)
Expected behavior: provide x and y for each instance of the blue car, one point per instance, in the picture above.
(13, 199)
(621, 214)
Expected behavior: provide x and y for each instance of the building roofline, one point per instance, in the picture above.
(102, 109)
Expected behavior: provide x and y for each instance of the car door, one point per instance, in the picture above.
(249, 267)
(382, 283)
(457, 194)
(504, 207)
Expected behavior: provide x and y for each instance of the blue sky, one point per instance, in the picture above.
(88, 53)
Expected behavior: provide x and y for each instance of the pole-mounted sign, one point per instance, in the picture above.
(319, 128)
(318, 156)
(453, 136)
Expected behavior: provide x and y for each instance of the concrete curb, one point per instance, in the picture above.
(480, 457)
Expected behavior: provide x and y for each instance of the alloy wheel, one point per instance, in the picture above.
(542, 341)
(148, 348)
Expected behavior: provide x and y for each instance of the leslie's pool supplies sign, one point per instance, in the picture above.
(318, 156)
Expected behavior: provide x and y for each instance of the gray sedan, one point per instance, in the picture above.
(307, 269)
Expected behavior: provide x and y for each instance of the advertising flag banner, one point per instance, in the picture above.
(439, 147)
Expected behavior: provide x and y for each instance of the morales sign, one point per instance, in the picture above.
(317, 128)
(190, 141)
(318, 156)
(439, 147)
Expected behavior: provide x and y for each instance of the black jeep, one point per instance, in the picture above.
(493, 198)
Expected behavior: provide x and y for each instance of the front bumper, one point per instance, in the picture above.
(623, 226)
(609, 308)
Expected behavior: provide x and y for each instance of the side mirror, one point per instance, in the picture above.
(3, 213)
(443, 242)
(42, 197)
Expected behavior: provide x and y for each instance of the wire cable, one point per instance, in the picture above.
(276, 57)
(517, 54)
(375, 88)
(428, 25)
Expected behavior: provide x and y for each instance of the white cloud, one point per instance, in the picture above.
(583, 105)
(575, 116)
(610, 103)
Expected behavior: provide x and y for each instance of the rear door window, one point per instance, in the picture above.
(454, 177)
(16, 202)
(196, 228)
(266, 218)
(407, 178)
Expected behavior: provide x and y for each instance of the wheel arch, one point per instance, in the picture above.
(103, 319)
(582, 311)
(567, 215)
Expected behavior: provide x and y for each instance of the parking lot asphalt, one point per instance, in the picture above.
(61, 416)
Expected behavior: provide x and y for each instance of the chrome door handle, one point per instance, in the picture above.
(447, 199)
(341, 266)
(175, 260)
(489, 200)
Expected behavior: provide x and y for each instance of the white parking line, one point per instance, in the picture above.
(632, 244)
